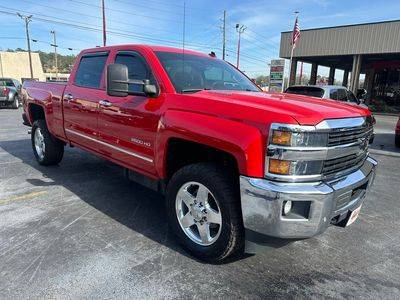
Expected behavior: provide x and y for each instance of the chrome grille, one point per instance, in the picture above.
(348, 135)
(336, 165)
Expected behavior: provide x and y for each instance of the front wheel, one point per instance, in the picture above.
(46, 148)
(204, 211)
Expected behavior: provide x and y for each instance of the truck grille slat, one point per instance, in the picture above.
(344, 136)
(340, 164)
(348, 136)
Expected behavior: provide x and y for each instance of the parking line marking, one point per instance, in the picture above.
(22, 197)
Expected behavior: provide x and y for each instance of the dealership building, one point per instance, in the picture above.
(371, 49)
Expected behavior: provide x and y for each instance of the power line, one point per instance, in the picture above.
(130, 13)
(91, 16)
(87, 27)
(90, 27)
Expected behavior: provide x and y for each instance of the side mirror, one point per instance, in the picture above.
(361, 94)
(118, 83)
(117, 80)
(149, 89)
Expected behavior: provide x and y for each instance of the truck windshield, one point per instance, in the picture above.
(192, 73)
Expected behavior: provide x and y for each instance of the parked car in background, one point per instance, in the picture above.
(9, 92)
(240, 168)
(397, 134)
(333, 92)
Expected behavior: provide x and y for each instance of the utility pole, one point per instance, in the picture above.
(103, 10)
(27, 20)
(239, 29)
(53, 32)
(224, 36)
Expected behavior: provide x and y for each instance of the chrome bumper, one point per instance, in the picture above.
(315, 205)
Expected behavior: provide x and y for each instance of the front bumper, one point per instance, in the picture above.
(315, 205)
(4, 101)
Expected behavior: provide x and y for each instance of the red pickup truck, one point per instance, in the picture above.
(240, 169)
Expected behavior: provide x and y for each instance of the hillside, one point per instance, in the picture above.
(65, 62)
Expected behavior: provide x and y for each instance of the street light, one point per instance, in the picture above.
(239, 29)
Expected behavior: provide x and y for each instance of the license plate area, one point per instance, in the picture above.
(353, 216)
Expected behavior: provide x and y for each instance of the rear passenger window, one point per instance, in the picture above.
(90, 70)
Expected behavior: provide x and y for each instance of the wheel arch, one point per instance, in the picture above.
(239, 144)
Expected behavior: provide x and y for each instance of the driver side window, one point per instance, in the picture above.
(137, 69)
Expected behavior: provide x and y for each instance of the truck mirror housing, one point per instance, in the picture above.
(361, 94)
(149, 89)
(117, 80)
(118, 83)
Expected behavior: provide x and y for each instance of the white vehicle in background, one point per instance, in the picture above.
(333, 92)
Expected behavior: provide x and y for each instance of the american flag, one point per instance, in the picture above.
(296, 32)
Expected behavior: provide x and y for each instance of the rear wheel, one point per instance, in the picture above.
(204, 211)
(46, 148)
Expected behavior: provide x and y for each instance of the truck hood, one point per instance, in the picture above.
(304, 109)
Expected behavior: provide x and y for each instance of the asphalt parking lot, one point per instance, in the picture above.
(80, 230)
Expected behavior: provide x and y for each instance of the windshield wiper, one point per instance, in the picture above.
(193, 90)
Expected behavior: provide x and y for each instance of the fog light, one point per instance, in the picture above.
(277, 166)
(287, 207)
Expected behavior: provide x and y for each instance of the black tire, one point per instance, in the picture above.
(226, 192)
(397, 140)
(54, 149)
(15, 103)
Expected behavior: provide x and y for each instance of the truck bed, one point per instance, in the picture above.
(48, 95)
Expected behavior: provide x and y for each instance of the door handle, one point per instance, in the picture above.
(105, 103)
(69, 97)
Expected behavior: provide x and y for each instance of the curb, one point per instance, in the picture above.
(383, 152)
(385, 114)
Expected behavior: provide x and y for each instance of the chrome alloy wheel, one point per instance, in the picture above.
(198, 213)
(40, 146)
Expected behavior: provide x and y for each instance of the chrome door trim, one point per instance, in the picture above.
(134, 154)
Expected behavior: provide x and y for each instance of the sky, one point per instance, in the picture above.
(77, 24)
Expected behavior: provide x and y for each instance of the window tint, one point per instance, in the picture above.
(342, 95)
(333, 94)
(351, 97)
(190, 73)
(6, 82)
(137, 69)
(90, 70)
(306, 90)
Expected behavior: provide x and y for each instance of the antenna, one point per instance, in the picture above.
(184, 26)
(183, 41)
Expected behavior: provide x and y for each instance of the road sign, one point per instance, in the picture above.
(276, 75)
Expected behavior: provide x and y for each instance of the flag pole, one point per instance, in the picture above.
(291, 54)
(290, 64)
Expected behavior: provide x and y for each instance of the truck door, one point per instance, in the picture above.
(128, 125)
(81, 100)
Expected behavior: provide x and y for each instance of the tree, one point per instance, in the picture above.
(262, 80)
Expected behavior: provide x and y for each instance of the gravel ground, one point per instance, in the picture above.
(80, 230)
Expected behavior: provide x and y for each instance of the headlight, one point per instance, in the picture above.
(287, 167)
(299, 139)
